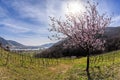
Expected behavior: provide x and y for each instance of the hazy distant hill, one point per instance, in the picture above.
(16, 45)
(112, 31)
(112, 35)
(4, 42)
(10, 43)
(47, 45)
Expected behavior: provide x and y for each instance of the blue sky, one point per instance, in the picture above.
(27, 22)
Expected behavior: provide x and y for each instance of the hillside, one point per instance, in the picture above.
(112, 36)
(24, 67)
(112, 32)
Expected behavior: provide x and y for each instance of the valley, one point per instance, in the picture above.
(59, 40)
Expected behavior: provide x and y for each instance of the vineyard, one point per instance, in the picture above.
(15, 66)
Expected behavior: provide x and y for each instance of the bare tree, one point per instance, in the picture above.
(83, 30)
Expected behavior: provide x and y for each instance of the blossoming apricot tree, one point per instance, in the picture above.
(84, 30)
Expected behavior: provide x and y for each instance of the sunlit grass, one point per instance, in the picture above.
(23, 67)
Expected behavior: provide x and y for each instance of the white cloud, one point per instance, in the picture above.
(14, 26)
(117, 18)
(115, 21)
(17, 26)
(30, 11)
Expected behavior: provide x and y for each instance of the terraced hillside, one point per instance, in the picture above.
(25, 67)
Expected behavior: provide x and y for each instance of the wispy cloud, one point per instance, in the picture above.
(117, 18)
(3, 13)
(26, 21)
(26, 9)
(15, 26)
(115, 21)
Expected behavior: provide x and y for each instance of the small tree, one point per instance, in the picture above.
(7, 48)
(7, 58)
(83, 30)
(0, 44)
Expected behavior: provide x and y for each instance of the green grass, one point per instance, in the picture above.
(23, 67)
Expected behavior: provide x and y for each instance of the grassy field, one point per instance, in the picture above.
(23, 67)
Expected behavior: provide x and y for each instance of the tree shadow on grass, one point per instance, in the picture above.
(96, 73)
(104, 73)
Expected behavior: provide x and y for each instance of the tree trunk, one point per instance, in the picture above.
(88, 62)
(87, 67)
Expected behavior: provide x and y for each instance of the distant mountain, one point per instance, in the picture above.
(10, 43)
(16, 45)
(48, 45)
(4, 42)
